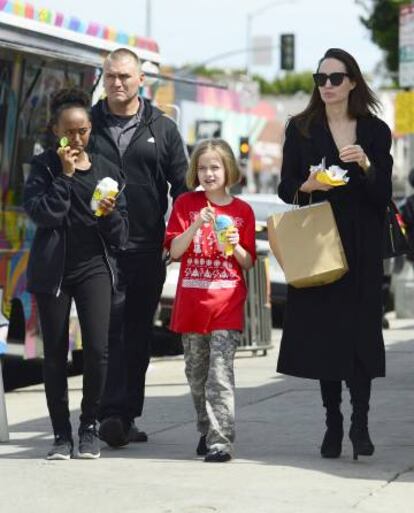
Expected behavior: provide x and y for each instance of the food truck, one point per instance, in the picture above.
(40, 52)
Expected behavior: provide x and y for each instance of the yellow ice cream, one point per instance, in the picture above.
(105, 188)
(325, 178)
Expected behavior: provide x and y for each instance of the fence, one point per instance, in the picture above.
(4, 431)
(257, 335)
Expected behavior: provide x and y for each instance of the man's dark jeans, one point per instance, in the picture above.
(141, 278)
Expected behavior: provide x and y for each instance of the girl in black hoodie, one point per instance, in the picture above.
(71, 258)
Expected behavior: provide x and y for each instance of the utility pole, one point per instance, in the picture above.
(247, 164)
(249, 21)
(406, 70)
(148, 18)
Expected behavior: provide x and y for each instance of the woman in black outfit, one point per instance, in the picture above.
(71, 258)
(333, 332)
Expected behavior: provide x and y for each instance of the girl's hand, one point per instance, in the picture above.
(312, 184)
(68, 159)
(354, 153)
(207, 215)
(107, 206)
(233, 236)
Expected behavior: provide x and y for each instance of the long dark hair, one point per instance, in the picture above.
(362, 100)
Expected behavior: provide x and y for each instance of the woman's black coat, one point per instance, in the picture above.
(47, 201)
(328, 328)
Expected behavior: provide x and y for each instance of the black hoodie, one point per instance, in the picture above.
(47, 201)
(155, 157)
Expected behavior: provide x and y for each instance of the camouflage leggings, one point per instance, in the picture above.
(209, 370)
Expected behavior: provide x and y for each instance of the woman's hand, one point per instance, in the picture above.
(68, 159)
(206, 216)
(312, 184)
(107, 206)
(354, 153)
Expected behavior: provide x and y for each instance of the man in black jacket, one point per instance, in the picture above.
(146, 144)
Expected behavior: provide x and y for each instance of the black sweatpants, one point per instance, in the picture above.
(141, 278)
(93, 302)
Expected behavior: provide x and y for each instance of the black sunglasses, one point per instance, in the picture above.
(335, 79)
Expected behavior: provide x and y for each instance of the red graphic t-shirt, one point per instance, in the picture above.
(211, 288)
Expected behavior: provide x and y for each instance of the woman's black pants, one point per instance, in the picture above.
(92, 298)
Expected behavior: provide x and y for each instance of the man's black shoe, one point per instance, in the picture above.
(135, 435)
(112, 432)
(216, 456)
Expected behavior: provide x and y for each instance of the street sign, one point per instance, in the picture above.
(406, 46)
(208, 129)
(262, 51)
(404, 112)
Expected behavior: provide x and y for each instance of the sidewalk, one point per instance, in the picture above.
(277, 468)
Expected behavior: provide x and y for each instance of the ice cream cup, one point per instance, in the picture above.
(105, 188)
(223, 226)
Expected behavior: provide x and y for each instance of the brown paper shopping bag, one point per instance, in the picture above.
(307, 245)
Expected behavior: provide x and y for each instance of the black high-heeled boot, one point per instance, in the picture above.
(332, 441)
(360, 390)
(361, 441)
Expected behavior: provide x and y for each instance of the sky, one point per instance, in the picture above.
(194, 31)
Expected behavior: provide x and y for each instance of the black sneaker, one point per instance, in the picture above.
(62, 449)
(112, 432)
(135, 435)
(202, 446)
(89, 448)
(216, 456)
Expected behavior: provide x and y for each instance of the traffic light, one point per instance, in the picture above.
(287, 52)
(244, 148)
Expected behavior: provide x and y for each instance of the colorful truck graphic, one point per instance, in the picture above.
(40, 52)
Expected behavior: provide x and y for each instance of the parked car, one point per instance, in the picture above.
(263, 206)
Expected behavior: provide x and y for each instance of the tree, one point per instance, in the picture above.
(291, 83)
(382, 20)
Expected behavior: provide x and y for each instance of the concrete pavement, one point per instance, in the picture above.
(277, 466)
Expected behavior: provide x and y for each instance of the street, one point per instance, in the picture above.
(277, 468)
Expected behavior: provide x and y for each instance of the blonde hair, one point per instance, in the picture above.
(224, 151)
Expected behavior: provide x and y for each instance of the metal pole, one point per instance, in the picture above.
(148, 19)
(248, 37)
(249, 20)
(4, 430)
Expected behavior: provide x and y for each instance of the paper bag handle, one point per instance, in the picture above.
(296, 199)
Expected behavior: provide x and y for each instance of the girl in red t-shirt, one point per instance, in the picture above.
(213, 234)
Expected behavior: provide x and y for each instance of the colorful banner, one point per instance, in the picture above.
(404, 112)
(75, 24)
